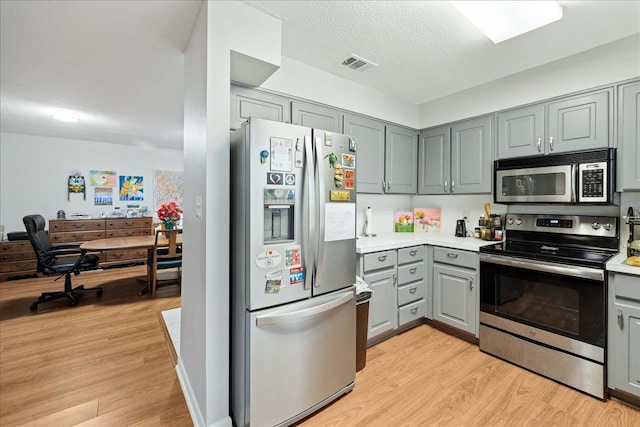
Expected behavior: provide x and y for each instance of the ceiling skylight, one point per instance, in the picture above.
(502, 20)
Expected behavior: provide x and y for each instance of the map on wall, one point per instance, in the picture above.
(167, 187)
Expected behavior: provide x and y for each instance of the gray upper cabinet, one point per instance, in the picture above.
(400, 165)
(575, 123)
(629, 136)
(247, 103)
(369, 136)
(315, 116)
(457, 158)
(520, 132)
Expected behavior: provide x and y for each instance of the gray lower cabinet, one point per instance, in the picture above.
(378, 269)
(623, 361)
(575, 123)
(315, 116)
(369, 136)
(411, 284)
(456, 158)
(455, 288)
(629, 136)
(246, 102)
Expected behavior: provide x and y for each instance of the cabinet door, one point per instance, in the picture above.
(521, 132)
(383, 303)
(369, 136)
(434, 161)
(247, 103)
(471, 159)
(629, 136)
(454, 296)
(315, 116)
(579, 123)
(401, 162)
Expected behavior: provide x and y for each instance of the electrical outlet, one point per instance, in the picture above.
(465, 214)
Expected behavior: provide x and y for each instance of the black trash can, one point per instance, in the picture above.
(362, 325)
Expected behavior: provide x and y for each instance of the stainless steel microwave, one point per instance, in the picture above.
(580, 177)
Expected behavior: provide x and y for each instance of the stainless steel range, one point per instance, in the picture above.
(543, 296)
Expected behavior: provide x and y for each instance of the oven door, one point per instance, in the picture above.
(562, 306)
(547, 184)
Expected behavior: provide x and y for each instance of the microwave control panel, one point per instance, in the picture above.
(593, 182)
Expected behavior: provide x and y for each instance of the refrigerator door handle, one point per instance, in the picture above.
(320, 198)
(303, 314)
(308, 212)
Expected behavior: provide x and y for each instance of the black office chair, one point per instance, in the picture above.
(58, 260)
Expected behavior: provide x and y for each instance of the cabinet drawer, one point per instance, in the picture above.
(455, 257)
(81, 225)
(124, 255)
(125, 232)
(411, 312)
(13, 247)
(627, 286)
(413, 254)
(410, 293)
(411, 272)
(7, 267)
(18, 256)
(378, 260)
(113, 224)
(76, 237)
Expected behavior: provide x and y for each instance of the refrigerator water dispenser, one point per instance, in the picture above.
(278, 215)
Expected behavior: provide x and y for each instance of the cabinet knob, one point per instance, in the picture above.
(539, 145)
(620, 319)
(382, 258)
(471, 284)
(388, 185)
(446, 187)
(413, 290)
(414, 310)
(551, 143)
(453, 184)
(413, 252)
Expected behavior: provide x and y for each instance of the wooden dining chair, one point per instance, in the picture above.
(166, 254)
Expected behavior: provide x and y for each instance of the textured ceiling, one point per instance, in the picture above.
(120, 63)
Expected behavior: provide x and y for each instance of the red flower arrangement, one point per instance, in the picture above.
(169, 212)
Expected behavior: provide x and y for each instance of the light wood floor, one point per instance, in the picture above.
(105, 363)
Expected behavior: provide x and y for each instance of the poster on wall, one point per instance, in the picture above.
(103, 196)
(167, 187)
(131, 188)
(75, 184)
(103, 178)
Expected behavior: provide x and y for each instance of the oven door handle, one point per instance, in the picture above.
(545, 267)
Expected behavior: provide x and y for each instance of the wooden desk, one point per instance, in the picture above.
(133, 242)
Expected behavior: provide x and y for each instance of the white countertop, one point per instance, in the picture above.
(388, 241)
(617, 264)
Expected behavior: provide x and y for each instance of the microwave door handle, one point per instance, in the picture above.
(575, 182)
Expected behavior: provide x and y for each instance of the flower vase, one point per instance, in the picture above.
(168, 226)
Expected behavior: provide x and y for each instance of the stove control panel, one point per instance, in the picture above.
(563, 224)
(554, 222)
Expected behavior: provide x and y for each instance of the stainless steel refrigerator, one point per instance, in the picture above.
(293, 266)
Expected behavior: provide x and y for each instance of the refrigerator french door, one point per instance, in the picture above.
(293, 265)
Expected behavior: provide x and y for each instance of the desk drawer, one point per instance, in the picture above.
(76, 225)
(132, 255)
(76, 237)
(378, 260)
(18, 256)
(410, 293)
(13, 247)
(113, 224)
(8, 267)
(125, 232)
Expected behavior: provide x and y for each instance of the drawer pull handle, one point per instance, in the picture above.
(382, 258)
(620, 319)
(412, 270)
(452, 255)
(413, 252)
(413, 290)
(414, 310)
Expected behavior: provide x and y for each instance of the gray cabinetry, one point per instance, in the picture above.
(369, 136)
(569, 124)
(400, 165)
(455, 289)
(247, 103)
(379, 271)
(457, 158)
(315, 116)
(629, 136)
(411, 284)
(623, 362)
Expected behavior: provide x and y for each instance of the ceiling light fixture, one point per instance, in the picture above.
(502, 20)
(66, 116)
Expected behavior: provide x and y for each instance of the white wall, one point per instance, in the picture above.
(603, 65)
(34, 171)
(303, 81)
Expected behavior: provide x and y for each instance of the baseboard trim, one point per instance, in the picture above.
(189, 397)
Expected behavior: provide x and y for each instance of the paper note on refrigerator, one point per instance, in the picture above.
(339, 221)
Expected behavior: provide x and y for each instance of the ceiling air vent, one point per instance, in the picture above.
(357, 63)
